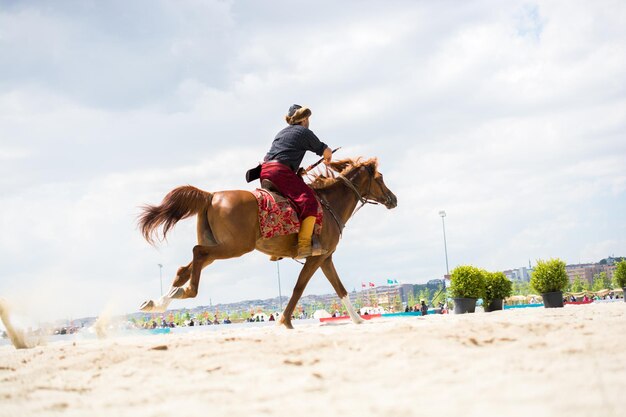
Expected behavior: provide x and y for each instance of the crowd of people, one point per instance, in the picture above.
(422, 307)
(197, 321)
(591, 297)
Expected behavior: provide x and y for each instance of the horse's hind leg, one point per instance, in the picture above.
(331, 273)
(202, 257)
(182, 276)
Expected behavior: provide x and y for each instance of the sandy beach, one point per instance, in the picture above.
(524, 362)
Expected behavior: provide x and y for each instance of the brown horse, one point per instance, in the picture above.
(228, 227)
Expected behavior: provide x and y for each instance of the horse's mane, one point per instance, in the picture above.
(343, 167)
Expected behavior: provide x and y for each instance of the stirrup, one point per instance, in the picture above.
(304, 253)
(318, 251)
(316, 246)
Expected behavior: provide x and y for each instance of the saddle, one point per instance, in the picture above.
(273, 190)
(278, 215)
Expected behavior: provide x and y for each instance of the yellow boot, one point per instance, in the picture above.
(304, 237)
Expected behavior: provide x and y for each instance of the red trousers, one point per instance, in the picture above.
(291, 186)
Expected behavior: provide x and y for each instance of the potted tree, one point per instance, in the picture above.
(497, 288)
(619, 277)
(549, 279)
(467, 284)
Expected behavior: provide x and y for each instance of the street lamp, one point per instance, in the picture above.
(442, 213)
(280, 296)
(161, 277)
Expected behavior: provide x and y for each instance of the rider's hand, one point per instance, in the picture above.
(328, 155)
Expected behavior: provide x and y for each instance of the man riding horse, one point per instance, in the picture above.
(281, 164)
(229, 224)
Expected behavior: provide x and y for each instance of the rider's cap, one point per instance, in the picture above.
(296, 114)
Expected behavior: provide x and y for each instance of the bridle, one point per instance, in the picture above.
(363, 200)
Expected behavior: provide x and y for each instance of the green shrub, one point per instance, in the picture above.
(497, 286)
(577, 285)
(467, 281)
(549, 276)
(619, 278)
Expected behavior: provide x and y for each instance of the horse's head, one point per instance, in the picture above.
(365, 177)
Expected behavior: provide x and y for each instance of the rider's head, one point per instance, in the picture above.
(298, 115)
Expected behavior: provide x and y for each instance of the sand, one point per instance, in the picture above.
(527, 362)
(17, 336)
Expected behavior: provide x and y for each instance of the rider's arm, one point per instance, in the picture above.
(312, 143)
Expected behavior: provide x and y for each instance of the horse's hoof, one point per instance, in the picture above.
(147, 306)
(176, 292)
(283, 322)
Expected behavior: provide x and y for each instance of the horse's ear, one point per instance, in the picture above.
(372, 164)
(339, 166)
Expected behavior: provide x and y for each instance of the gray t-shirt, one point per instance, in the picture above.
(290, 145)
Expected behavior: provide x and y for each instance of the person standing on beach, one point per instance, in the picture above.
(281, 164)
(424, 308)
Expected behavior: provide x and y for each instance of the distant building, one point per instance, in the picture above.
(521, 274)
(586, 272)
(610, 270)
(404, 291)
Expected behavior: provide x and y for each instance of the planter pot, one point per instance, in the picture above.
(552, 299)
(494, 305)
(464, 305)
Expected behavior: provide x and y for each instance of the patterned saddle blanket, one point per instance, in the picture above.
(277, 216)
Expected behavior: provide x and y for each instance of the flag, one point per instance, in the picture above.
(389, 281)
(362, 285)
(395, 281)
(372, 284)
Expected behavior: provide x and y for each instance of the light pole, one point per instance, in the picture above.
(442, 213)
(161, 277)
(280, 296)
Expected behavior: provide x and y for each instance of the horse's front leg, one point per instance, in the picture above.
(310, 266)
(328, 268)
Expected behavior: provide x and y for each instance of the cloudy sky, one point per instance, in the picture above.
(511, 116)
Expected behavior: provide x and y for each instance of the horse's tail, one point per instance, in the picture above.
(180, 203)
